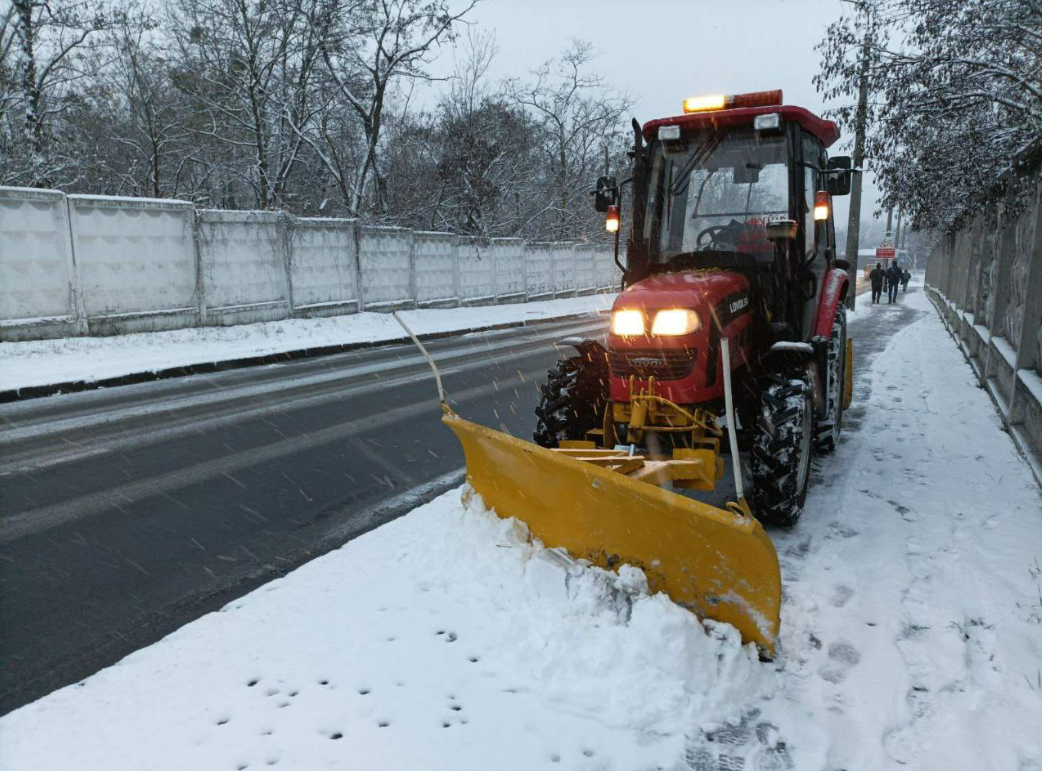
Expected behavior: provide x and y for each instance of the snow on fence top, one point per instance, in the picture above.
(78, 264)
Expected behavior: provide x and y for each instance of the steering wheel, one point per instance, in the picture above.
(708, 237)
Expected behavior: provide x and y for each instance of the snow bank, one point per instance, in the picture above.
(912, 620)
(42, 362)
(443, 640)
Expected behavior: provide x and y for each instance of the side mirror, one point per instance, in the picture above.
(606, 194)
(838, 175)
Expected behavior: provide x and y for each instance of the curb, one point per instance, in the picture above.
(76, 386)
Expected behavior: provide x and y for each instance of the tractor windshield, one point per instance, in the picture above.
(714, 193)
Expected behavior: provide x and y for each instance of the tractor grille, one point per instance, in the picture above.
(662, 364)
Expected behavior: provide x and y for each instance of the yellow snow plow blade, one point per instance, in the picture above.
(719, 564)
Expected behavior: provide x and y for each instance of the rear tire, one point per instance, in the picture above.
(827, 430)
(782, 450)
(573, 399)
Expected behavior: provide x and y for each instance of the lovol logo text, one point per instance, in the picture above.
(738, 304)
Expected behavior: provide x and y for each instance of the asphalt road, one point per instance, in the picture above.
(127, 512)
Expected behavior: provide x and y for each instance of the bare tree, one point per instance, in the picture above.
(242, 60)
(367, 46)
(9, 92)
(153, 114)
(49, 34)
(959, 96)
(579, 116)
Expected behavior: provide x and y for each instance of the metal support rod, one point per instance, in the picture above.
(427, 356)
(732, 436)
(618, 232)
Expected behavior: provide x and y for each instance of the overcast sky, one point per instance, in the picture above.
(661, 51)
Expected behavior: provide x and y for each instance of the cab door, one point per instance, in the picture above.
(816, 242)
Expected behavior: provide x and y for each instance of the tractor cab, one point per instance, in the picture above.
(738, 183)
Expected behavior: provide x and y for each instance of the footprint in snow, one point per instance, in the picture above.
(912, 631)
(842, 658)
(841, 595)
(837, 530)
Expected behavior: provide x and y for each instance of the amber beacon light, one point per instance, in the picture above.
(732, 101)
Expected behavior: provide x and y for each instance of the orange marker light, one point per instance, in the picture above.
(611, 221)
(821, 205)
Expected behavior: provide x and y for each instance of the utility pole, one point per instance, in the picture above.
(860, 127)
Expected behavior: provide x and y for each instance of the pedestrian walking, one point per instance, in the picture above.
(905, 278)
(893, 275)
(876, 277)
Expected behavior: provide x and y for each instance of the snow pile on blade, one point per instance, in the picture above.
(441, 640)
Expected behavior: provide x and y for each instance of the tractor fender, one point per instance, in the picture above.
(584, 345)
(833, 290)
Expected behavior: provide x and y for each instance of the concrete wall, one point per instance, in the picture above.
(77, 264)
(323, 266)
(986, 281)
(135, 262)
(38, 290)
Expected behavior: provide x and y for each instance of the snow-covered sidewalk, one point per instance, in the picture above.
(40, 363)
(911, 633)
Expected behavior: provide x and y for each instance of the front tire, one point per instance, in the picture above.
(827, 430)
(782, 449)
(573, 399)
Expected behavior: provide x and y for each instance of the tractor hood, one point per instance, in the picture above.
(684, 366)
(716, 295)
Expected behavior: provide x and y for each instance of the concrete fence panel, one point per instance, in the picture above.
(975, 236)
(605, 267)
(509, 256)
(386, 268)
(585, 268)
(564, 277)
(987, 271)
(1018, 276)
(477, 272)
(539, 270)
(323, 266)
(136, 260)
(37, 290)
(243, 257)
(437, 270)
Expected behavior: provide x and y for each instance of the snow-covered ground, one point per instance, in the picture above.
(44, 362)
(911, 633)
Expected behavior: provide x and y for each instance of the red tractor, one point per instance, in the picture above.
(731, 239)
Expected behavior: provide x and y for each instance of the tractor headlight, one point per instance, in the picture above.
(675, 321)
(627, 323)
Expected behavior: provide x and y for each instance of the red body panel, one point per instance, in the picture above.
(723, 302)
(825, 130)
(832, 293)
